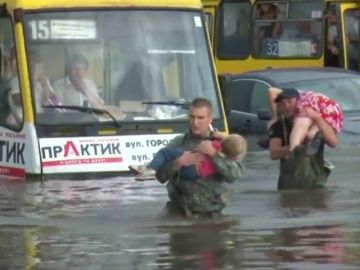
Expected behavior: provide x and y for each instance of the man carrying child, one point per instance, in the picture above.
(202, 195)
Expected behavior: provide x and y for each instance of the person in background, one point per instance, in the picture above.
(43, 92)
(75, 89)
(332, 42)
(265, 30)
(306, 167)
(11, 73)
(313, 112)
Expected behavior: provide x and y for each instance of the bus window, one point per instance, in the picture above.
(287, 29)
(352, 18)
(11, 108)
(233, 35)
(144, 61)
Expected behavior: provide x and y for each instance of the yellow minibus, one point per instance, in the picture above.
(256, 34)
(90, 87)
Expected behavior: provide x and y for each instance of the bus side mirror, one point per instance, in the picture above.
(264, 115)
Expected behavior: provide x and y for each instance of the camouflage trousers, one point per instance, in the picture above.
(200, 196)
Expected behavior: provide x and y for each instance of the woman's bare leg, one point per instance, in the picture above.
(312, 132)
(299, 131)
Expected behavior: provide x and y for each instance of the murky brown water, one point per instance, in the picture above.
(121, 224)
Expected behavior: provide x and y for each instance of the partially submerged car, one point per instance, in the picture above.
(246, 95)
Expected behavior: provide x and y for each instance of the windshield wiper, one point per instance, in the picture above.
(182, 104)
(86, 110)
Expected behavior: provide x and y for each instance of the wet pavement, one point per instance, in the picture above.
(122, 224)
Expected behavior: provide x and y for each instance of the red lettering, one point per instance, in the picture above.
(70, 146)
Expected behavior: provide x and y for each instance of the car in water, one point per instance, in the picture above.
(246, 95)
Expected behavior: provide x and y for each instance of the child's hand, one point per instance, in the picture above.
(188, 158)
(206, 148)
(217, 135)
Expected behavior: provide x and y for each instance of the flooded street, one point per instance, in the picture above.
(122, 224)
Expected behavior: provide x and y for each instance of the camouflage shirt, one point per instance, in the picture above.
(202, 195)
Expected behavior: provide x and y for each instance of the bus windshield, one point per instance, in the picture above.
(137, 64)
(288, 29)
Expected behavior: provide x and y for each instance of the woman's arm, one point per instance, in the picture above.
(272, 94)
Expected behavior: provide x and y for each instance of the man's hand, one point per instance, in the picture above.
(334, 50)
(206, 148)
(309, 113)
(188, 158)
(80, 85)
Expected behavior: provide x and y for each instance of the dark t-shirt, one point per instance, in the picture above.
(277, 130)
(306, 171)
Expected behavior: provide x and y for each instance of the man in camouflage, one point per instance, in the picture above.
(202, 196)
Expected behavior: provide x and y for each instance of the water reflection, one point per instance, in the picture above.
(204, 245)
(122, 224)
(317, 245)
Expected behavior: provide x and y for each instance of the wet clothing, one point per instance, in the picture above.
(199, 196)
(303, 172)
(205, 169)
(329, 109)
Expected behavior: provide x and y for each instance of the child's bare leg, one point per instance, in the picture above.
(299, 131)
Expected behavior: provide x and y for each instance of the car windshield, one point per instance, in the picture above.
(346, 91)
(137, 64)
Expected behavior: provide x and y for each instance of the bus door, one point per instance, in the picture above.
(350, 15)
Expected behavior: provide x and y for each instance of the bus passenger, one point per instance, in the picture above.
(43, 92)
(266, 11)
(332, 45)
(75, 88)
(12, 75)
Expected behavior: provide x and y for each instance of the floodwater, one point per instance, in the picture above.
(122, 224)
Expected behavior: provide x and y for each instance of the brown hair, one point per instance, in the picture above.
(76, 59)
(234, 146)
(201, 103)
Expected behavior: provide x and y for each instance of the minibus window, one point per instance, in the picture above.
(11, 108)
(287, 29)
(233, 36)
(122, 61)
(352, 18)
